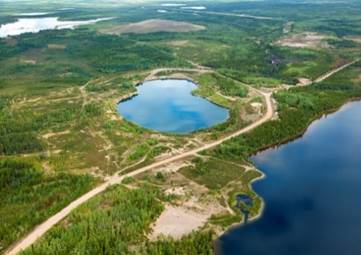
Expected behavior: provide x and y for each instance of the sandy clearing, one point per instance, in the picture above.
(354, 38)
(176, 221)
(57, 46)
(304, 81)
(178, 43)
(51, 134)
(153, 26)
(305, 40)
(29, 61)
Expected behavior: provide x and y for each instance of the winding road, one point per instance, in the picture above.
(41, 229)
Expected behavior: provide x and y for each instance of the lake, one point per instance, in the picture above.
(312, 193)
(35, 25)
(169, 106)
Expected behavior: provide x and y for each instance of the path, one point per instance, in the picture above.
(329, 74)
(153, 73)
(41, 229)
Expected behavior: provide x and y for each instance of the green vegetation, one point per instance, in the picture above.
(213, 173)
(211, 83)
(29, 195)
(58, 94)
(196, 243)
(297, 109)
(113, 223)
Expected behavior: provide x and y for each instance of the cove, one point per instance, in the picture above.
(169, 106)
(312, 193)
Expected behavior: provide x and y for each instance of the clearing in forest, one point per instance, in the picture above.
(152, 26)
(305, 40)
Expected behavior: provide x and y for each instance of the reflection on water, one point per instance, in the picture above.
(34, 25)
(169, 106)
(312, 193)
(32, 14)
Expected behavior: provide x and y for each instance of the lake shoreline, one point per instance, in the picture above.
(264, 176)
(148, 100)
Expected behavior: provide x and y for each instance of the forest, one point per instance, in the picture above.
(115, 221)
(61, 135)
(297, 108)
(29, 195)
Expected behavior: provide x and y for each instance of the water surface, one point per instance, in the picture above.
(312, 193)
(35, 25)
(169, 106)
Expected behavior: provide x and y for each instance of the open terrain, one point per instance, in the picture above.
(117, 179)
(153, 26)
(71, 166)
(305, 40)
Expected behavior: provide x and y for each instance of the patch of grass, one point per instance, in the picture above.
(226, 220)
(213, 173)
(224, 85)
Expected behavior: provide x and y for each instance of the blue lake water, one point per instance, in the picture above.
(169, 106)
(312, 193)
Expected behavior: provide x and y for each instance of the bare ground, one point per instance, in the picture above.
(305, 40)
(356, 38)
(152, 26)
(177, 221)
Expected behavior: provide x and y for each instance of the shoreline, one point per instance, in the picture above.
(302, 133)
(130, 96)
(263, 176)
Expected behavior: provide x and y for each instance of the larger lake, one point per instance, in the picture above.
(35, 25)
(169, 106)
(312, 193)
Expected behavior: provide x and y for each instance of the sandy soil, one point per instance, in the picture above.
(305, 40)
(152, 26)
(51, 134)
(176, 221)
(354, 38)
(56, 46)
(178, 43)
(29, 61)
(304, 81)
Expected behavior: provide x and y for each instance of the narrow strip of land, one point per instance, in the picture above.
(41, 229)
(232, 14)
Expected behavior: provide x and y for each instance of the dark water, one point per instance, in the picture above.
(169, 106)
(312, 193)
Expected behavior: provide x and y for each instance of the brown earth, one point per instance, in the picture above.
(152, 26)
(304, 40)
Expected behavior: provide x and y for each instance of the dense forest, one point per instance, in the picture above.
(113, 223)
(29, 195)
(297, 108)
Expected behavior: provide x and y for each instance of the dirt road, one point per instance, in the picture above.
(329, 74)
(41, 229)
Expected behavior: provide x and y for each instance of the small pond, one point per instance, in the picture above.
(169, 106)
